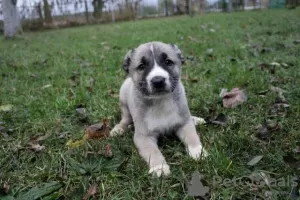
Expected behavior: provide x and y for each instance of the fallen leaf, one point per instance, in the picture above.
(89, 89)
(209, 51)
(285, 65)
(75, 79)
(92, 81)
(297, 149)
(71, 94)
(263, 92)
(266, 50)
(76, 143)
(82, 113)
(6, 108)
(97, 131)
(46, 86)
(4, 188)
(221, 119)
(106, 47)
(255, 160)
(263, 132)
(41, 62)
(36, 147)
(107, 151)
(84, 63)
(266, 178)
(3, 131)
(267, 67)
(112, 93)
(296, 42)
(63, 135)
(40, 138)
(193, 39)
(34, 144)
(222, 93)
(280, 108)
(266, 128)
(277, 90)
(234, 98)
(91, 192)
(275, 64)
(33, 76)
(291, 160)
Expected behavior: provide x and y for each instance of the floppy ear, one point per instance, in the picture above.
(178, 52)
(127, 60)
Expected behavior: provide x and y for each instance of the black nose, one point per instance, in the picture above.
(158, 81)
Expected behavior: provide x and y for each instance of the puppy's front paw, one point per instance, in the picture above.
(159, 170)
(117, 130)
(198, 120)
(197, 152)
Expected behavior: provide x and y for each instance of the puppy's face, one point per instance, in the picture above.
(154, 67)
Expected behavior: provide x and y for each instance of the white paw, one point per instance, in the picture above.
(198, 120)
(197, 152)
(159, 170)
(117, 130)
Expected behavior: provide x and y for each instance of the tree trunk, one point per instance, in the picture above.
(86, 11)
(191, 7)
(229, 8)
(47, 12)
(126, 4)
(112, 12)
(39, 10)
(11, 18)
(166, 8)
(201, 7)
(187, 9)
(174, 7)
(98, 6)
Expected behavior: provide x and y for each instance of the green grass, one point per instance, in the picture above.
(240, 43)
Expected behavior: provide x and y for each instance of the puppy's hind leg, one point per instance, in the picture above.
(188, 135)
(126, 120)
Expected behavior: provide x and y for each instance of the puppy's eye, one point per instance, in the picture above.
(141, 67)
(169, 62)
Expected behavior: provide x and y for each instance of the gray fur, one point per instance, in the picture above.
(156, 111)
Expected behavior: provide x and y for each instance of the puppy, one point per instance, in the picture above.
(153, 99)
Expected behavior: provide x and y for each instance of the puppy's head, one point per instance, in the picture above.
(155, 68)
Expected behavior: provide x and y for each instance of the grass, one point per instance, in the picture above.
(241, 42)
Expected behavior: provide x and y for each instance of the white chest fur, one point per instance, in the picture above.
(162, 115)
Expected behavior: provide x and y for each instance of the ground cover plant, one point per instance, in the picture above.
(55, 83)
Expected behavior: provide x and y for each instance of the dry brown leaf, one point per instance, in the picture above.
(89, 89)
(37, 147)
(234, 98)
(97, 131)
(5, 187)
(112, 93)
(107, 151)
(34, 143)
(91, 192)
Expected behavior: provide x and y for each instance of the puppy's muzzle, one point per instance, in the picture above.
(158, 82)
